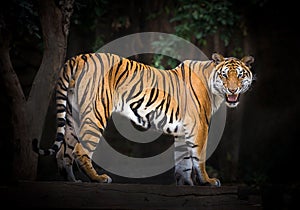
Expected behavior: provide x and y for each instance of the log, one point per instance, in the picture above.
(121, 196)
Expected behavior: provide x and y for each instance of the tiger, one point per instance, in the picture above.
(179, 102)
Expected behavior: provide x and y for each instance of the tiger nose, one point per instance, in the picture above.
(232, 90)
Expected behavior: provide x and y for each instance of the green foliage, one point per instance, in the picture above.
(166, 58)
(256, 178)
(213, 172)
(86, 16)
(197, 19)
(238, 52)
(29, 18)
(21, 18)
(99, 42)
(164, 62)
(87, 13)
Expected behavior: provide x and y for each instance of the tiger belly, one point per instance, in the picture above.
(148, 118)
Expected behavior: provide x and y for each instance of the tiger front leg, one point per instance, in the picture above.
(198, 156)
(200, 172)
(84, 162)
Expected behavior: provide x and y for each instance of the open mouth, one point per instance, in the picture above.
(232, 98)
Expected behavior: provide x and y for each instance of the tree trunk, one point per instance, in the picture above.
(28, 117)
(55, 26)
(22, 150)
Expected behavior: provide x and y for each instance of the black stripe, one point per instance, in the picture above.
(98, 115)
(160, 106)
(93, 82)
(61, 97)
(101, 67)
(171, 116)
(189, 137)
(58, 92)
(194, 93)
(123, 73)
(62, 85)
(59, 137)
(71, 64)
(207, 118)
(107, 104)
(177, 113)
(152, 98)
(163, 81)
(191, 144)
(135, 73)
(74, 136)
(69, 122)
(141, 87)
(168, 130)
(183, 73)
(85, 141)
(195, 158)
(162, 122)
(65, 75)
(69, 156)
(71, 147)
(61, 122)
(150, 117)
(135, 106)
(176, 129)
(84, 98)
(171, 83)
(84, 57)
(168, 102)
(60, 110)
(133, 88)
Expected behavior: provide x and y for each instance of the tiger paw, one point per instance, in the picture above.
(214, 182)
(183, 176)
(103, 179)
(183, 180)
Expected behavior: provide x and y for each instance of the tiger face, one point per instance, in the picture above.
(232, 77)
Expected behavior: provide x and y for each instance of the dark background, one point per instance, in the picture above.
(260, 144)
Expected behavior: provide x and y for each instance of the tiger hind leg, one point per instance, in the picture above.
(65, 165)
(74, 151)
(84, 162)
(183, 173)
(183, 164)
(64, 156)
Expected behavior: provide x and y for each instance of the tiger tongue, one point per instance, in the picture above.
(232, 98)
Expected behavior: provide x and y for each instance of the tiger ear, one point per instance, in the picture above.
(248, 60)
(217, 58)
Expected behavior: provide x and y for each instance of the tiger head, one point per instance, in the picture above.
(232, 77)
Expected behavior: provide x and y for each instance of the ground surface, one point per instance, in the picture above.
(126, 196)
